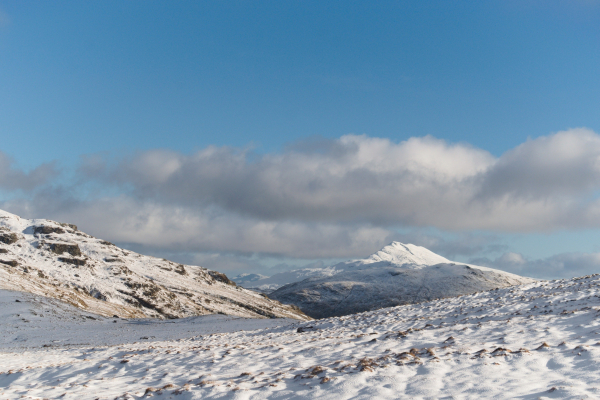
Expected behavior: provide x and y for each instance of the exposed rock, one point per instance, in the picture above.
(46, 230)
(60, 248)
(221, 277)
(12, 263)
(8, 238)
(73, 227)
(98, 295)
(75, 261)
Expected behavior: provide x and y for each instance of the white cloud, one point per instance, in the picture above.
(327, 199)
(355, 178)
(558, 166)
(544, 184)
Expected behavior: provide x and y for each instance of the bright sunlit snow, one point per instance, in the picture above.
(535, 341)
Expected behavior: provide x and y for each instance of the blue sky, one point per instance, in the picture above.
(85, 86)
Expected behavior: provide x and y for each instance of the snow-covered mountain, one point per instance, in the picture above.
(396, 253)
(534, 341)
(59, 261)
(397, 274)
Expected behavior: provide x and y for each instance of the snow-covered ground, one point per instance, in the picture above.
(30, 321)
(535, 341)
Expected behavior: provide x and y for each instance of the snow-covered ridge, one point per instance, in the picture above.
(59, 261)
(397, 274)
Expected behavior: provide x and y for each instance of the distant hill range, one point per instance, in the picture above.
(397, 274)
(57, 260)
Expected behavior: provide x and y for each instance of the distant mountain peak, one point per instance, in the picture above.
(405, 254)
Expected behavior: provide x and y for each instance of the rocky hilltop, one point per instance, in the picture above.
(57, 260)
(397, 274)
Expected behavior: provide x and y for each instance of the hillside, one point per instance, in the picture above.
(59, 261)
(534, 341)
(397, 274)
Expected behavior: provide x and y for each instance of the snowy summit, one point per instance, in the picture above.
(405, 255)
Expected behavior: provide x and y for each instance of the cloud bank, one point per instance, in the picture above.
(543, 184)
(323, 199)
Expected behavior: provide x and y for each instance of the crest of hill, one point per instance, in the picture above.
(397, 274)
(57, 260)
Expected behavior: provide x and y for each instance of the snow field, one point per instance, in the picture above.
(539, 340)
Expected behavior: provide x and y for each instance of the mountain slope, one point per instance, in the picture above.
(57, 260)
(397, 274)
